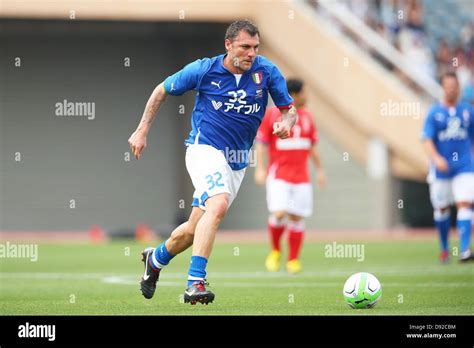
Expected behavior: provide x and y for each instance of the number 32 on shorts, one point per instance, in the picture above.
(213, 180)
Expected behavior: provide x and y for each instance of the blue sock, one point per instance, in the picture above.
(161, 256)
(197, 270)
(443, 224)
(464, 228)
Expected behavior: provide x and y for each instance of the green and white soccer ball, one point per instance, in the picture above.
(362, 290)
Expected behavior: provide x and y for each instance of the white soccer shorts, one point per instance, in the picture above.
(211, 174)
(296, 199)
(445, 192)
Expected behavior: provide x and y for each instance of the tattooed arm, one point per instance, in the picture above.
(137, 140)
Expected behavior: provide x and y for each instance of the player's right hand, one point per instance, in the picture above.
(441, 164)
(137, 142)
(281, 129)
(260, 176)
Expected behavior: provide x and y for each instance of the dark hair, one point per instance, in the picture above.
(234, 29)
(449, 74)
(294, 85)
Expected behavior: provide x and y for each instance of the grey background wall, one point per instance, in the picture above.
(73, 158)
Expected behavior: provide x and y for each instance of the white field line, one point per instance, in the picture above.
(126, 280)
(379, 271)
(301, 280)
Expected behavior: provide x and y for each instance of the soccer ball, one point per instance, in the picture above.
(362, 290)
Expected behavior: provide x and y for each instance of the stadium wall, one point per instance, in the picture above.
(73, 170)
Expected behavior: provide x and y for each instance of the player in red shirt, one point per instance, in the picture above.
(287, 178)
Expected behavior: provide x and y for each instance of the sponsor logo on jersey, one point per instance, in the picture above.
(453, 131)
(239, 104)
(293, 144)
(216, 105)
(218, 84)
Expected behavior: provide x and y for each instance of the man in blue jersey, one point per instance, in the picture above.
(232, 94)
(447, 138)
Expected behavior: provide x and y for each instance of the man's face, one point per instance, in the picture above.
(450, 88)
(243, 50)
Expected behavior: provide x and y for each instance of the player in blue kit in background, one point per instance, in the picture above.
(447, 138)
(232, 95)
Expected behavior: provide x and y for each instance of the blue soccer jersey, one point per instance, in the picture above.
(451, 130)
(229, 108)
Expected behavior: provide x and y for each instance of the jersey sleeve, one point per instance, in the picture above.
(429, 130)
(187, 78)
(264, 133)
(278, 89)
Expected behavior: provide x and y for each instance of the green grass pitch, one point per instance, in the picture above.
(103, 280)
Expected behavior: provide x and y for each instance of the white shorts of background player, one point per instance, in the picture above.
(445, 192)
(296, 199)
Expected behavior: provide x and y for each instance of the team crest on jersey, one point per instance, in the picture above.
(439, 117)
(306, 125)
(465, 115)
(257, 77)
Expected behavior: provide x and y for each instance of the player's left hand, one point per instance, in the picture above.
(281, 129)
(260, 176)
(321, 178)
